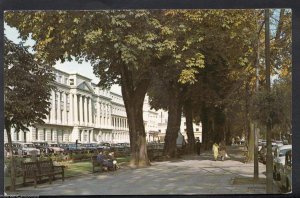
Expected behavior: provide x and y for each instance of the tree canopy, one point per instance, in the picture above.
(27, 86)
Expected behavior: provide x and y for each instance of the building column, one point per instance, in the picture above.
(59, 135)
(90, 111)
(92, 135)
(74, 134)
(71, 120)
(58, 108)
(102, 114)
(80, 110)
(97, 114)
(52, 117)
(76, 109)
(48, 135)
(65, 109)
(85, 111)
(108, 115)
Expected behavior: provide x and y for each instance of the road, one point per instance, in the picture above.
(188, 175)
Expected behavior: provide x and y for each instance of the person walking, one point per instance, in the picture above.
(215, 150)
(222, 149)
(198, 146)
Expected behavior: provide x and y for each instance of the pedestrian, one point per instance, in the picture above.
(100, 157)
(198, 146)
(222, 149)
(215, 150)
(108, 161)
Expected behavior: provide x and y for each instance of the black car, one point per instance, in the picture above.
(42, 146)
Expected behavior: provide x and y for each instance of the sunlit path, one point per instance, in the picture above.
(188, 175)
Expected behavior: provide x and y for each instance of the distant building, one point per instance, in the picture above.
(82, 111)
(163, 123)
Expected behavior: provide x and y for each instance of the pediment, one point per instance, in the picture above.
(86, 87)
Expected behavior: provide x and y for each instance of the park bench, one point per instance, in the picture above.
(95, 164)
(39, 169)
(154, 154)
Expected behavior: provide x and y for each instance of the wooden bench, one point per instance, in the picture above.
(39, 169)
(95, 164)
(154, 154)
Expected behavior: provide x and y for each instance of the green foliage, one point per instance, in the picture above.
(26, 87)
(274, 107)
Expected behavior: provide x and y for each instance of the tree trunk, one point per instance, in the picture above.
(204, 121)
(250, 136)
(12, 161)
(133, 97)
(189, 126)
(219, 120)
(228, 131)
(251, 144)
(174, 118)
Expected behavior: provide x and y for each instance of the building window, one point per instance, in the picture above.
(80, 134)
(71, 81)
(44, 134)
(51, 134)
(36, 133)
(18, 135)
(197, 129)
(184, 123)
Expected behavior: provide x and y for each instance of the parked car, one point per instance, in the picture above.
(286, 172)
(104, 146)
(63, 146)
(74, 147)
(263, 152)
(54, 148)
(261, 144)
(42, 146)
(89, 147)
(117, 147)
(27, 149)
(126, 147)
(279, 160)
(14, 149)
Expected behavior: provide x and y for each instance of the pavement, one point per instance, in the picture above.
(190, 174)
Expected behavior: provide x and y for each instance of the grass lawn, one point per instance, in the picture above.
(74, 169)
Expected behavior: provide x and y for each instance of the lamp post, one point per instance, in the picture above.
(269, 164)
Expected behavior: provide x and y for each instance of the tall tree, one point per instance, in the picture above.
(27, 90)
(120, 48)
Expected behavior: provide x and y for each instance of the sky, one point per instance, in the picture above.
(84, 68)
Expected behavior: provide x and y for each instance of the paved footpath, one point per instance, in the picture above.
(188, 175)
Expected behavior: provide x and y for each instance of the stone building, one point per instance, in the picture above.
(82, 111)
